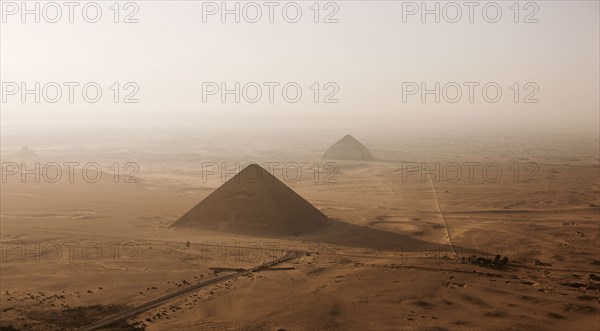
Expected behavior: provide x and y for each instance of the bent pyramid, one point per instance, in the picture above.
(254, 202)
(348, 148)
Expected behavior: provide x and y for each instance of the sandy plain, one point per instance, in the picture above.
(75, 252)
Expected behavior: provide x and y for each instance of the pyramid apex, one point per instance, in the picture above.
(256, 165)
(253, 173)
(349, 137)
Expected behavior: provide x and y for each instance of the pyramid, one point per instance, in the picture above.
(348, 148)
(25, 152)
(254, 202)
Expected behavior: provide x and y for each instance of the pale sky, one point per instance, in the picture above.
(368, 54)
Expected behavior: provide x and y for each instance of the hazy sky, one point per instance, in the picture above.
(369, 53)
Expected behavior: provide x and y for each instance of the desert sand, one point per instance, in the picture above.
(386, 247)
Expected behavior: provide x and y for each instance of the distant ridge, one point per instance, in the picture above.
(348, 148)
(254, 202)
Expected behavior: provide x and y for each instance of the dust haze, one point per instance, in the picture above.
(326, 165)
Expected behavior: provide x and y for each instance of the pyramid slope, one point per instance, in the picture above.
(348, 148)
(254, 202)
